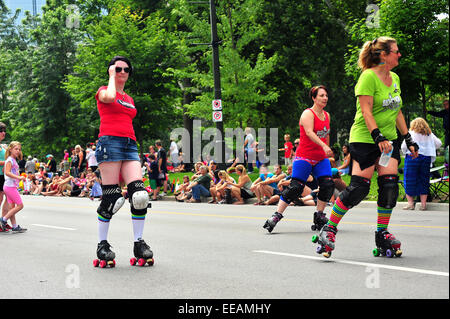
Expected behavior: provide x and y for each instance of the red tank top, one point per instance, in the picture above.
(116, 118)
(307, 148)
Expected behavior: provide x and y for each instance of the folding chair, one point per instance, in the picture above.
(439, 186)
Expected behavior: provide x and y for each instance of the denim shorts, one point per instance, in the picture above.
(116, 148)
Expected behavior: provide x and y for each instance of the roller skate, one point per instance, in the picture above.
(272, 221)
(387, 245)
(325, 239)
(319, 220)
(105, 255)
(142, 254)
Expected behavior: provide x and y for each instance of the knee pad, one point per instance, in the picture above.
(326, 188)
(112, 201)
(293, 191)
(387, 191)
(138, 197)
(358, 189)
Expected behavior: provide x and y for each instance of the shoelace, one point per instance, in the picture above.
(331, 236)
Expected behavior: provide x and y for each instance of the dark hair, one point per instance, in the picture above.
(152, 156)
(315, 89)
(120, 58)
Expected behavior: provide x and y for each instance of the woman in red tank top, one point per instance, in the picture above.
(311, 158)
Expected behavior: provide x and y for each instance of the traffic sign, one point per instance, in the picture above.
(217, 105)
(217, 116)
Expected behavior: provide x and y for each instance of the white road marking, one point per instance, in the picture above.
(54, 227)
(342, 261)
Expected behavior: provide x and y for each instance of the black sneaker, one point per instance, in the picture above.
(18, 229)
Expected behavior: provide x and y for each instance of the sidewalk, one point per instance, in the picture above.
(364, 204)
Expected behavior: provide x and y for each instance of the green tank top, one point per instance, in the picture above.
(387, 102)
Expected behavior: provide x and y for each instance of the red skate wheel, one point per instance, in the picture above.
(141, 262)
(96, 262)
(112, 263)
(151, 262)
(133, 261)
(102, 264)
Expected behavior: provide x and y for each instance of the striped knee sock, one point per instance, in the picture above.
(337, 212)
(384, 215)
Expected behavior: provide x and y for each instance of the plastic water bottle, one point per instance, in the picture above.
(384, 158)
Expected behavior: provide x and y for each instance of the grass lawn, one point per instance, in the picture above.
(373, 194)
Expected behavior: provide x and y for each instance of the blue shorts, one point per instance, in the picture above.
(116, 148)
(301, 169)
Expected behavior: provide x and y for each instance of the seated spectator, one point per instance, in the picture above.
(200, 186)
(214, 173)
(282, 185)
(223, 188)
(53, 186)
(344, 169)
(242, 190)
(267, 184)
(96, 190)
(182, 193)
(180, 167)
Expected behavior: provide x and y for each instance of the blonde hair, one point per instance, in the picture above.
(419, 125)
(10, 147)
(225, 175)
(241, 168)
(369, 56)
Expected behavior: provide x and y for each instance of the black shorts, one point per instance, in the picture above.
(2, 182)
(367, 154)
(245, 194)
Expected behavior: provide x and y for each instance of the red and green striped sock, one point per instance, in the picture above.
(337, 212)
(384, 215)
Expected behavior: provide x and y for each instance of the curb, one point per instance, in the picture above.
(364, 204)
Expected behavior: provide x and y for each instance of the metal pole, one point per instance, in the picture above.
(216, 73)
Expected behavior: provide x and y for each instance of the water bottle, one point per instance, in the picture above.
(384, 158)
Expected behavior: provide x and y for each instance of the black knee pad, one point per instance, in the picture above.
(293, 191)
(387, 191)
(138, 197)
(353, 194)
(326, 188)
(112, 201)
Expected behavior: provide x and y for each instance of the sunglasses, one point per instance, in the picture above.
(119, 69)
(2, 130)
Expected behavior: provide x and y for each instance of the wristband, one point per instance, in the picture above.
(377, 136)
(410, 142)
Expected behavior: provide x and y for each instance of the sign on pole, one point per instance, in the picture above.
(217, 116)
(217, 105)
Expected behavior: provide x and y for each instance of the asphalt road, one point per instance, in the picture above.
(220, 251)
